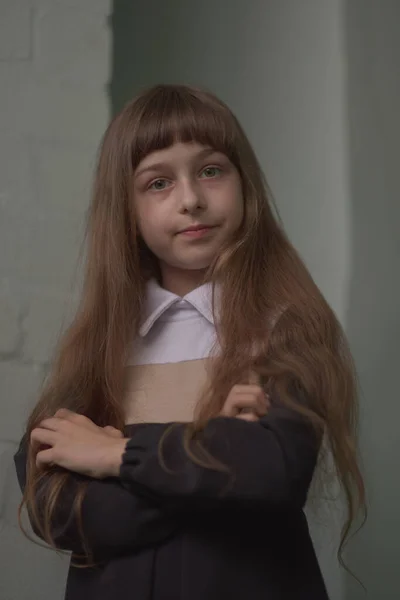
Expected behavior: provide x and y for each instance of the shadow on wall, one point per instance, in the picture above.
(137, 50)
(373, 48)
(164, 42)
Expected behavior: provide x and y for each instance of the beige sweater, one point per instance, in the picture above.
(167, 367)
(164, 393)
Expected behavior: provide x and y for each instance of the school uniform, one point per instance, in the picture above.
(177, 531)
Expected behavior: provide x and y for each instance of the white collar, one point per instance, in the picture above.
(159, 300)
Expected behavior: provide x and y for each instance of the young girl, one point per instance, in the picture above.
(176, 438)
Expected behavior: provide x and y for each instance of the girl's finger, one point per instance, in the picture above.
(43, 436)
(63, 413)
(251, 402)
(73, 417)
(246, 388)
(36, 446)
(52, 423)
(251, 417)
(113, 431)
(44, 457)
(237, 402)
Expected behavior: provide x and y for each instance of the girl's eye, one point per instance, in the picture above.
(158, 185)
(211, 172)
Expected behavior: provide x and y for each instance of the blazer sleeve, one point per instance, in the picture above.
(114, 521)
(268, 463)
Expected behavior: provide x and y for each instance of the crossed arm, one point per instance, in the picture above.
(133, 499)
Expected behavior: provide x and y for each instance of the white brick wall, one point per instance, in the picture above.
(54, 71)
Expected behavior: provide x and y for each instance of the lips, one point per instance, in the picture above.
(196, 232)
(194, 228)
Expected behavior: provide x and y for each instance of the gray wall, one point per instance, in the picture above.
(316, 85)
(373, 322)
(54, 67)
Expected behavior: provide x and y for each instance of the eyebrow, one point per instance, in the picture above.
(162, 165)
(154, 167)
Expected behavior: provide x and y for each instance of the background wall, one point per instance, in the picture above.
(54, 67)
(316, 85)
(373, 323)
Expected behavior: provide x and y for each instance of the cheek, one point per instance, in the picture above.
(236, 209)
(143, 220)
(240, 209)
(151, 227)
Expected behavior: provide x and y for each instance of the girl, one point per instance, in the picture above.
(174, 444)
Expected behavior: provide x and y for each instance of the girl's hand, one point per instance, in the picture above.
(113, 432)
(74, 442)
(247, 402)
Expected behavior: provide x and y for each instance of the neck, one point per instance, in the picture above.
(181, 282)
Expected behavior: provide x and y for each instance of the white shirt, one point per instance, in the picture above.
(174, 329)
(167, 368)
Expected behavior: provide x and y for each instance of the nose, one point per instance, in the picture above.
(192, 197)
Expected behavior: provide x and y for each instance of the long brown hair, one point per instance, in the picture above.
(273, 320)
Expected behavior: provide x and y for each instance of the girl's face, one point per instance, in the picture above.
(188, 201)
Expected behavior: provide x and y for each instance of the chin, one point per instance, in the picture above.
(192, 260)
(197, 266)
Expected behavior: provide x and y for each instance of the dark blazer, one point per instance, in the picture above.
(178, 531)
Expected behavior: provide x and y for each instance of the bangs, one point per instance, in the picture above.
(171, 114)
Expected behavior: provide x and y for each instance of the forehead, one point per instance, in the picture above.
(177, 152)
